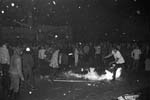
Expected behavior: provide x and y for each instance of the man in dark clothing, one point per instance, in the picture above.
(28, 64)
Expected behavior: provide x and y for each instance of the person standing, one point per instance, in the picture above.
(41, 56)
(135, 54)
(4, 66)
(15, 72)
(86, 50)
(54, 63)
(76, 56)
(28, 64)
(4, 59)
(98, 57)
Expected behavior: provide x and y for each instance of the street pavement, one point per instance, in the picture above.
(101, 90)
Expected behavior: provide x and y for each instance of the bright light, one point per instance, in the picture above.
(12, 4)
(30, 92)
(2, 11)
(70, 54)
(54, 2)
(27, 49)
(56, 36)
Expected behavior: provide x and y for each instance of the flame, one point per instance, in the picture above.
(118, 72)
(70, 73)
(92, 75)
(107, 76)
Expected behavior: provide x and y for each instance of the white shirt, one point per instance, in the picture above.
(97, 49)
(117, 55)
(41, 54)
(135, 54)
(4, 55)
(55, 59)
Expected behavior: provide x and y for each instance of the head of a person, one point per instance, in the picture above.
(114, 49)
(5, 45)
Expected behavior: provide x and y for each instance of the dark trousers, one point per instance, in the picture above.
(5, 68)
(5, 79)
(98, 63)
(54, 72)
(115, 69)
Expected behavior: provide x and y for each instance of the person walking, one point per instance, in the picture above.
(15, 72)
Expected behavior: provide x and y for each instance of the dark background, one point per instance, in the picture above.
(89, 19)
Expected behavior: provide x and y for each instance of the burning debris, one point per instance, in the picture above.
(129, 97)
(93, 75)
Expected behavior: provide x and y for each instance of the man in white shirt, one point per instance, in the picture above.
(119, 60)
(4, 59)
(41, 56)
(135, 54)
(4, 67)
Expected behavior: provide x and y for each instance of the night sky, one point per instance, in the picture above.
(89, 19)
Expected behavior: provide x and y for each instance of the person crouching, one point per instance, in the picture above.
(119, 60)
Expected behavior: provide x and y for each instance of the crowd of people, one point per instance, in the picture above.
(18, 62)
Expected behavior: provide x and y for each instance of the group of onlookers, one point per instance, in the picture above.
(18, 62)
(92, 55)
(85, 55)
(16, 65)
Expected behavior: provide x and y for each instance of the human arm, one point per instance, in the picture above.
(109, 55)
